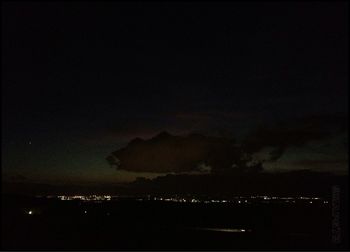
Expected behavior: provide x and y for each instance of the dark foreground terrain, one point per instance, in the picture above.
(151, 225)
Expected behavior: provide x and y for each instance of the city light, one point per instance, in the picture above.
(85, 197)
(195, 199)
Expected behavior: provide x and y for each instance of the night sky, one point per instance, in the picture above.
(80, 80)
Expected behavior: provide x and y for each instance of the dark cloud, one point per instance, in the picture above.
(166, 153)
(294, 133)
(323, 164)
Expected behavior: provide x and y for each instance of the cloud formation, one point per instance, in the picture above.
(293, 134)
(197, 153)
(166, 153)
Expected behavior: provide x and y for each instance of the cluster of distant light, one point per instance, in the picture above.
(242, 200)
(193, 199)
(84, 197)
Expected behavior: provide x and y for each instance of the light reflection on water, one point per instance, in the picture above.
(228, 230)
